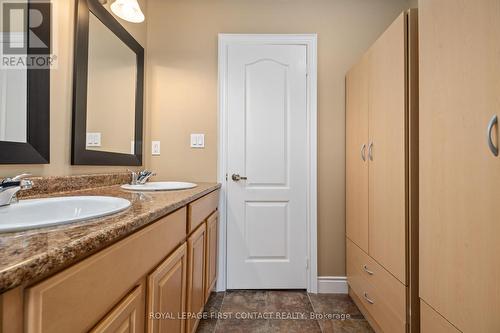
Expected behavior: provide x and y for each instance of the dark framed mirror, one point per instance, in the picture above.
(108, 83)
(25, 83)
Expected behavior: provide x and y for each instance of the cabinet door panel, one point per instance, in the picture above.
(433, 322)
(167, 293)
(127, 316)
(196, 275)
(211, 255)
(459, 176)
(356, 154)
(387, 176)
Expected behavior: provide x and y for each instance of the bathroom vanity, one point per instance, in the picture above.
(150, 268)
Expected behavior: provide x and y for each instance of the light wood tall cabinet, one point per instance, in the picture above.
(459, 165)
(381, 155)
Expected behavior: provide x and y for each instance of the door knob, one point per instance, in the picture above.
(237, 177)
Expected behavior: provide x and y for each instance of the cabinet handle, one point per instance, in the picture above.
(370, 151)
(365, 268)
(491, 145)
(363, 152)
(368, 299)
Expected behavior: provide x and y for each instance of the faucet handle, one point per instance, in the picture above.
(21, 176)
(24, 183)
(144, 173)
(17, 178)
(134, 176)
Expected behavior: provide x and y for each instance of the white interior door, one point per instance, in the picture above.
(267, 144)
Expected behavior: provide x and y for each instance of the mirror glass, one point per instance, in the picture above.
(14, 85)
(111, 91)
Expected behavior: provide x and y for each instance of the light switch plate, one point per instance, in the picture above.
(155, 148)
(93, 139)
(197, 140)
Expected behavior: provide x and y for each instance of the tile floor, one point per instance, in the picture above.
(303, 313)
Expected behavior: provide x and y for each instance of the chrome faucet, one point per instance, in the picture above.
(141, 177)
(10, 186)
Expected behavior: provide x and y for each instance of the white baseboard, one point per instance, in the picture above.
(332, 285)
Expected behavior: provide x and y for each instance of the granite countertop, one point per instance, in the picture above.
(29, 256)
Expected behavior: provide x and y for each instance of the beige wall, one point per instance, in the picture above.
(182, 95)
(61, 97)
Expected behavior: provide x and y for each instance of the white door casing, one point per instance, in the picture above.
(268, 135)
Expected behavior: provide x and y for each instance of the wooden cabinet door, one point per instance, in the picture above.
(357, 154)
(211, 254)
(127, 316)
(167, 293)
(459, 175)
(387, 176)
(433, 322)
(196, 275)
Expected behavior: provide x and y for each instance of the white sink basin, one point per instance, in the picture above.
(38, 213)
(159, 186)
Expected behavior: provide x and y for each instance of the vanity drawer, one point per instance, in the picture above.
(382, 295)
(201, 209)
(75, 299)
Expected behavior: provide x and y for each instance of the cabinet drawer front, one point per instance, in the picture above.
(382, 294)
(127, 316)
(433, 322)
(200, 210)
(92, 287)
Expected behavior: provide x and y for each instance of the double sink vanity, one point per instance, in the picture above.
(105, 257)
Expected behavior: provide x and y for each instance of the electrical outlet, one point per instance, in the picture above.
(155, 148)
(197, 140)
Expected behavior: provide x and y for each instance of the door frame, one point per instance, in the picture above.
(310, 41)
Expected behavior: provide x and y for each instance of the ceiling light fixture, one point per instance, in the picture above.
(129, 10)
